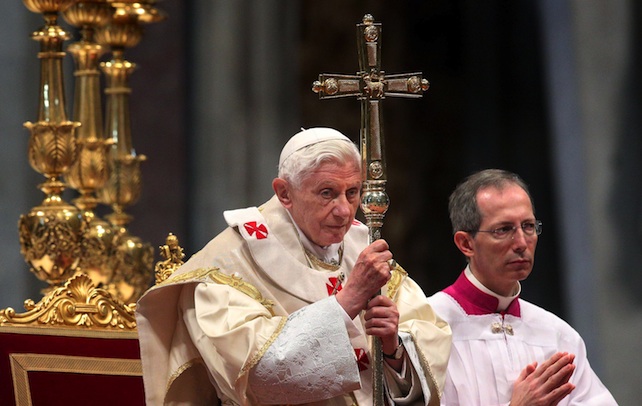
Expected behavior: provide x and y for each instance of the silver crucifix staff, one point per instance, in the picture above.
(370, 85)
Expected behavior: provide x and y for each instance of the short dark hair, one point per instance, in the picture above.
(462, 204)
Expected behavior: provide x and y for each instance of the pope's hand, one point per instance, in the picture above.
(370, 273)
(382, 320)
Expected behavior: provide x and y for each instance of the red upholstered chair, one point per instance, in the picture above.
(77, 346)
(48, 366)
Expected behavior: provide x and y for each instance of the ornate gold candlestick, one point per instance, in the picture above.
(90, 171)
(133, 259)
(56, 239)
(50, 234)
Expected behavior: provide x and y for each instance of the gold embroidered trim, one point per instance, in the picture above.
(199, 273)
(426, 365)
(329, 266)
(180, 370)
(22, 364)
(237, 283)
(396, 279)
(214, 274)
(263, 349)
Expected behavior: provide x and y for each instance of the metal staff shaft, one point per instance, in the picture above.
(374, 204)
(374, 199)
(370, 85)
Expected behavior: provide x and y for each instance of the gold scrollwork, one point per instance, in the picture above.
(76, 303)
(50, 242)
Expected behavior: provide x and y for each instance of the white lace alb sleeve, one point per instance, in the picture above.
(312, 359)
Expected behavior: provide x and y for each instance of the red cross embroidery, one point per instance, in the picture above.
(362, 359)
(261, 231)
(334, 286)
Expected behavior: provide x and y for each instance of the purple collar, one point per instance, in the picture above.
(474, 301)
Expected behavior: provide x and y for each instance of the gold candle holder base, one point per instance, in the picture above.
(50, 240)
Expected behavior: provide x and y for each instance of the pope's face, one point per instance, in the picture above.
(326, 203)
(500, 263)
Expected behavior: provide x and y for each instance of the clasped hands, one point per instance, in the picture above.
(546, 384)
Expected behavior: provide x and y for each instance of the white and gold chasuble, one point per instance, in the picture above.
(251, 320)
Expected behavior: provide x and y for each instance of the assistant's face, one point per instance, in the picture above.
(500, 263)
(327, 201)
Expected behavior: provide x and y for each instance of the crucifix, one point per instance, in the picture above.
(370, 86)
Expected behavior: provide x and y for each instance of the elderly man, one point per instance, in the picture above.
(505, 349)
(281, 306)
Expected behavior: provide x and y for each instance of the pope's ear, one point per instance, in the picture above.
(464, 241)
(282, 190)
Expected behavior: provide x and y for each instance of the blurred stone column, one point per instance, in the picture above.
(608, 37)
(243, 105)
(596, 105)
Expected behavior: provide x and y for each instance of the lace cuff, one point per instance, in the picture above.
(312, 359)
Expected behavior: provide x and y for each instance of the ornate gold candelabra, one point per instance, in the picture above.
(62, 244)
(90, 171)
(50, 234)
(133, 259)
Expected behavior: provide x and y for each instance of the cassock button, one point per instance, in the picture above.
(498, 328)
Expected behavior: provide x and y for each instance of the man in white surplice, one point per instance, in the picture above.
(505, 349)
(281, 306)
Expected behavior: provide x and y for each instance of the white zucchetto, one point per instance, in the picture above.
(309, 137)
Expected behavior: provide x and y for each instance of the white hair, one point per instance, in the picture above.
(298, 166)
